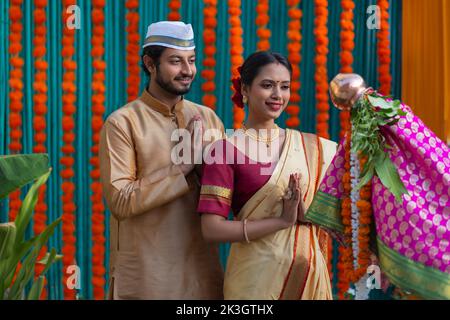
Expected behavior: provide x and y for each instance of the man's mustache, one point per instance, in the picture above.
(184, 78)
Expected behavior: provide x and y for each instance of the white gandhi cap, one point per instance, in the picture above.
(171, 34)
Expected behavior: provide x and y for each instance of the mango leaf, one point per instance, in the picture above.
(379, 102)
(388, 121)
(389, 115)
(368, 175)
(389, 177)
(19, 170)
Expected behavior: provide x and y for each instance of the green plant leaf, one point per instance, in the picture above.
(8, 267)
(28, 204)
(26, 271)
(24, 275)
(15, 172)
(44, 260)
(36, 289)
(7, 239)
(364, 179)
(379, 102)
(389, 177)
(19, 170)
(50, 259)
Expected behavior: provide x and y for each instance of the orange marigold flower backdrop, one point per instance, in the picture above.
(236, 51)
(98, 110)
(209, 63)
(294, 48)
(39, 120)
(133, 49)
(15, 93)
(321, 73)
(67, 161)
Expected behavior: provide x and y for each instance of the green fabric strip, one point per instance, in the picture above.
(410, 275)
(325, 210)
(169, 40)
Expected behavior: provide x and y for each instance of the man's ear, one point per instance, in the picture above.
(149, 64)
(244, 90)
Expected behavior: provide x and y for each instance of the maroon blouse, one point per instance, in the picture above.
(230, 178)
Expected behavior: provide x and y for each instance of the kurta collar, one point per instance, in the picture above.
(164, 109)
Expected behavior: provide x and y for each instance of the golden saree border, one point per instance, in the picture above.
(410, 275)
(325, 210)
(216, 191)
(207, 197)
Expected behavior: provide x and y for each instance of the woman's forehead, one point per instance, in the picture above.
(274, 72)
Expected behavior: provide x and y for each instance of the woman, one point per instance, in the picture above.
(268, 177)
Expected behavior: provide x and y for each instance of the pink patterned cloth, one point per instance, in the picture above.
(419, 227)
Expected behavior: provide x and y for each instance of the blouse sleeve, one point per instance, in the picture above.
(217, 182)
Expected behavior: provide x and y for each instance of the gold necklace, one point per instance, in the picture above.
(266, 140)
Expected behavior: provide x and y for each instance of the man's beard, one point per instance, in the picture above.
(169, 87)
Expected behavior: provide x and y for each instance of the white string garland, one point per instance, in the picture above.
(361, 291)
(354, 196)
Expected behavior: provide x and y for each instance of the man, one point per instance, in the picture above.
(157, 248)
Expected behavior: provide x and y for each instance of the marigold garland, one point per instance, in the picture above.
(15, 94)
(294, 48)
(174, 14)
(361, 227)
(321, 73)
(68, 187)
(383, 49)
(348, 271)
(236, 51)
(98, 109)
(365, 219)
(209, 50)
(347, 40)
(39, 120)
(347, 44)
(133, 47)
(345, 264)
(262, 20)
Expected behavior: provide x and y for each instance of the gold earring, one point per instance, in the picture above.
(245, 99)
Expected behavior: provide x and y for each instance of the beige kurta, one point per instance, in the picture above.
(157, 248)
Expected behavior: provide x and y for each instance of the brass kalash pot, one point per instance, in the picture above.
(346, 89)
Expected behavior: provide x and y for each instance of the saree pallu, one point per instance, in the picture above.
(288, 264)
(412, 236)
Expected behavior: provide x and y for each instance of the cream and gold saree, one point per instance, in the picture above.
(291, 263)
